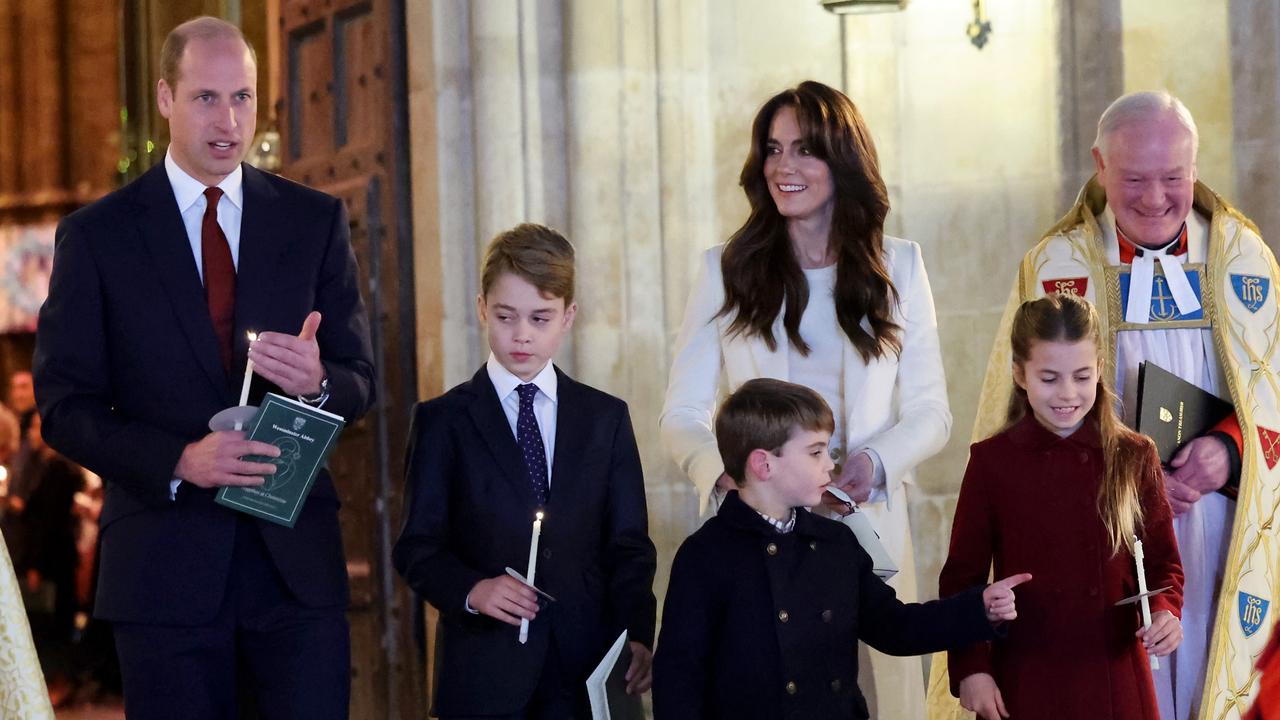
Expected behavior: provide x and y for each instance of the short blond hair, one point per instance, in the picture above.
(205, 27)
(534, 253)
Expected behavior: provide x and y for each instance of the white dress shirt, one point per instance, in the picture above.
(189, 193)
(544, 403)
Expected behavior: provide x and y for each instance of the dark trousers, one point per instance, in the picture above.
(556, 697)
(263, 650)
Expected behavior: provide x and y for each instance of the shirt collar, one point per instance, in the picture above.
(780, 526)
(1128, 248)
(187, 190)
(505, 383)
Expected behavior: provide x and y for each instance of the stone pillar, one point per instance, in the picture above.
(1255, 51)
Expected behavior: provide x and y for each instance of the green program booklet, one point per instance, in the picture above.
(305, 436)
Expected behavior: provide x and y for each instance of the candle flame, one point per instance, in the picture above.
(252, 336)
(538, 515)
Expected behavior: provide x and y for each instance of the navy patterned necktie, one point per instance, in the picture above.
(529, 439)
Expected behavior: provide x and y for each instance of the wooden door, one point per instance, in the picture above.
(343, 116)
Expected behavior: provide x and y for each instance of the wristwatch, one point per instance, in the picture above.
(318, 399)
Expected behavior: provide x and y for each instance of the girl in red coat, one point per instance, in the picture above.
(1061, 493)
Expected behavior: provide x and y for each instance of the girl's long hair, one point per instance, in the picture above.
(1069, 318)
(758, 265)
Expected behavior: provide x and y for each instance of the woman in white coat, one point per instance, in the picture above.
(810, 290)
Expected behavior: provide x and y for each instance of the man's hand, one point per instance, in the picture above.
(979, 693)
(291, 362)
(999, 598)
(640, 674)
(504, 598)
(857, 477)
(214, 460)
(1164, 636)
(1200, 468)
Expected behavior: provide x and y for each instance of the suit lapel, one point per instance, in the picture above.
(772, 363)
(165, 237)
(572, 433)
(263, 238)
(491, 423)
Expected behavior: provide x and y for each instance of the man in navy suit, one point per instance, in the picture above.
(143, 339)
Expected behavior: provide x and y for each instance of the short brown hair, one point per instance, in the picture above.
(205, 27)
(763, 414)
(535, 253)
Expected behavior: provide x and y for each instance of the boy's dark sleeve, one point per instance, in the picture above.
(897, 628)
(683, 663)
(628, 551)
(423, 555)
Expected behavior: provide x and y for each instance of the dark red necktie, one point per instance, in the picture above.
(219, 275)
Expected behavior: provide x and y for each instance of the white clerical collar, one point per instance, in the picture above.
(1143, 268)
(505, 383)
(186, 189)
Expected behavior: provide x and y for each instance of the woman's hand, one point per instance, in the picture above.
(979, 693)
(857, 477)
(1164, 635)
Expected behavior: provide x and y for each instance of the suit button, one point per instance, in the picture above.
(826, 616)
(813, 544)
(791, 688)
(835, 685)
(783, 616)
(546, 553)
(771, 548)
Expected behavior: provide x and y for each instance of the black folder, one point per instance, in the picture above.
(1172, 411)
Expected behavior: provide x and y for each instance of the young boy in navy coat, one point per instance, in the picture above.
(767, 601)
(518, 438)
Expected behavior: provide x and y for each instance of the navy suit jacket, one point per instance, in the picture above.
(470, 515)
(127, 373)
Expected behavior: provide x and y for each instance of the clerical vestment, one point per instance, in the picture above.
(1227, 346)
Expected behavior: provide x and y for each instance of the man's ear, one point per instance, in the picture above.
(164, 98)
(1099, 165)
(760, 464)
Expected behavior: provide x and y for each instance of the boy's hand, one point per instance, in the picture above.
(979, 693)
(999, 599)
(640, 674)
(504, 598)
(1164, 636)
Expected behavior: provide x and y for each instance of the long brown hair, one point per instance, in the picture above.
(1069, 318)
(759, 266)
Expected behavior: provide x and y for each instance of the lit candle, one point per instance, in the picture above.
(532, 571)
(1142, 594)
(248, 374)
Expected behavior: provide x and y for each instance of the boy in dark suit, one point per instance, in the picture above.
(767, 601)
(518, 438)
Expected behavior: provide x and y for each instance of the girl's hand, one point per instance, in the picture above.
(998, 598)
(979, 693)
(1164, 635)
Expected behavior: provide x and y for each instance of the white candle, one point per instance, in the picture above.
(248, 374)
(1142, 592)
(532, 570)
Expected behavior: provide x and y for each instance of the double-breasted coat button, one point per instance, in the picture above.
(771, 548)
(791, 688)
(813, 544)
(826, 616)
(783, 615)
(835, 685)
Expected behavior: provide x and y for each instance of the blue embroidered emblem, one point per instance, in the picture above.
(1251, 289)
(1253, 610)
(1163, 308)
